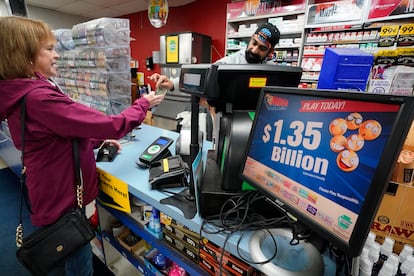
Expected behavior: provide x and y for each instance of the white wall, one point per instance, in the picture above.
(56, 20)
(4, 9)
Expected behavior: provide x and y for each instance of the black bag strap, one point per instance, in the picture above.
(78, 183)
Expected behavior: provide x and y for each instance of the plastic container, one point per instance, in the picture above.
(365, 268)
(394, 260)
(102, 32)
(387, 248)
(406, 251)
(374, 257)
(370, 239)
(386, 270)
(154, 223)
(407, 265)
(64, 39)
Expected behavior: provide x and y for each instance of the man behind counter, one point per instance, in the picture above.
(260, 48)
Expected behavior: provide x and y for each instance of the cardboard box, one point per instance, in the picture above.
(191, 239)
(125, 239)
(140, 252)
(403, 172)
(395, 218)
(167, 220)
(230, 262)
(188, 251)
(211, 266)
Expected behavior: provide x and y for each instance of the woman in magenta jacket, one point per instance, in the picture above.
(53, 120)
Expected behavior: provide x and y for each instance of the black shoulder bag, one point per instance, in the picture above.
(50, 245)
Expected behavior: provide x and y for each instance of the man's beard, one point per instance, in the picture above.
(252, 58)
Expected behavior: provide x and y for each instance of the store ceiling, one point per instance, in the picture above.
(99, 8)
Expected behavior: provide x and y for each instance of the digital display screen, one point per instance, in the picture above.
(192, 79)
(162, 142)
(319, 155)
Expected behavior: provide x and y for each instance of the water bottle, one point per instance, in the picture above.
(407, 250)
(385, 251)
(386, 270)
(370, 239)
(386, 248)
(407, 265)
(373, 255)
(394, 260)
(154, 223)
(365, 267)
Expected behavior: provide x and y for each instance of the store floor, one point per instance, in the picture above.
(9, 217)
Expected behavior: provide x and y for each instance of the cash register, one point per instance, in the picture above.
(233, 90)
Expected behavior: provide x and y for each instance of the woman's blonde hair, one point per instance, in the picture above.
(20, 43)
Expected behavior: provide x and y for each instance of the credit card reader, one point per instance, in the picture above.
(156, 151)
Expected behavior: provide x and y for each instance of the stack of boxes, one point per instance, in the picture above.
(202, 251)
(181, 238)
(394, 217)
(211, 256)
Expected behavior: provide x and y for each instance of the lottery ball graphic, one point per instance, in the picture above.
(370, 129)
(353, 120)
(338, 143)
(347, 160)
(355, 142)
(338, 126)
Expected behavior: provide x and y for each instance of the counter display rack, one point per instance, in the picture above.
(347, 27)
(289, 21)
(108, 215)
(317, 40)
(124, 169)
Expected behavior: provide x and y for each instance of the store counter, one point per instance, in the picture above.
(125, 169)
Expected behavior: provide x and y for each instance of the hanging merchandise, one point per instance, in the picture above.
(158, 12)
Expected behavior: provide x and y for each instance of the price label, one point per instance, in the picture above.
(391, 30)
(407, 29)
(406, 36)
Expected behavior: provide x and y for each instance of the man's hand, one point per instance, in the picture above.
(162, 81)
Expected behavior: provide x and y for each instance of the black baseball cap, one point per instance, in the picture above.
(268, 34)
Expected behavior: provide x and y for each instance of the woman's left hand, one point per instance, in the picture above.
(113, 142)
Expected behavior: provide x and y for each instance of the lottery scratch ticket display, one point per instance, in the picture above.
(94, 63)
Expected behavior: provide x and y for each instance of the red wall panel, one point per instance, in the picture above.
(202, 16)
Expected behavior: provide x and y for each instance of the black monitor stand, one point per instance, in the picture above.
(185, 200)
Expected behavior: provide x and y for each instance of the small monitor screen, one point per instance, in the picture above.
(194, 78)
(326, 156)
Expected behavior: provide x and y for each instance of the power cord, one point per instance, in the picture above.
(343, 261)
(237, 215)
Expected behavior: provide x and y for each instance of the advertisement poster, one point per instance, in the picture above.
(113, 192)
(319, 155)
(390, 9)
(172, 49)
(255, 8)
(335, 12)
